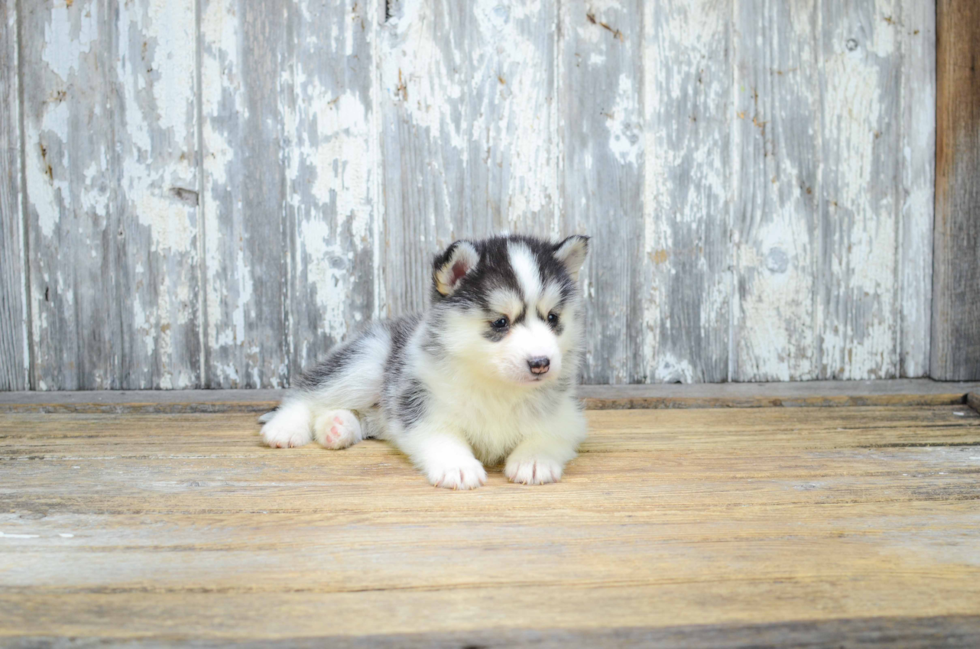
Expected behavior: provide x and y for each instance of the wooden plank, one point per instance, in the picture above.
(918, 159)
(687, 89)
(246, 242)
(684, 525)
(954, 632)
(956, 271)
(829, 269)
(973, 400)
(155, 194)
(859, 199)
(899, 392)
(14, 318)
(600, 84)
(222, 444)
(111, 190)
(72, 227)
(332, 157)
(776, 164)
(917, 632)
(469, 119)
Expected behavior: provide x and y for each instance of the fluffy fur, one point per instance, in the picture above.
(485, 375)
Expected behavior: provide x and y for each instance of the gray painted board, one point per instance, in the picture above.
(686, 260)
(469, 127)
(155, 197)
(243, 50)
(918, 154)
(600, 95)
(14, 351)
(71, 184)
(775, 219)
(829, 255)
(858, 301)
(331, 144)
(217, 191)
(111, 193)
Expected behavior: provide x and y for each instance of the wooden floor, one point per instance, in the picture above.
(816, 526)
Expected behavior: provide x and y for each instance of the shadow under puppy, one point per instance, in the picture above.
(486, 373)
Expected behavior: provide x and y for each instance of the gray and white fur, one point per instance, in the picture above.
(485, 375)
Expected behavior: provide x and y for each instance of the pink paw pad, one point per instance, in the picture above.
(337, 429)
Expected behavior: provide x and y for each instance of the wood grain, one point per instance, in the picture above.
(331, 153)
(954, 632)
(112, 194)
(956, 272)
(821, 394)
(154, 194)
(858, 254)
(674, 524)
(775, 221)
(830, 260)
(686, 261)
(973, 400)
(246, 242)
(918, 147)
(71, 172)
(600, 93)
(14, 350)
(469, 125)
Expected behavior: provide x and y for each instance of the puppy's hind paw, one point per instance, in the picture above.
(337, 429)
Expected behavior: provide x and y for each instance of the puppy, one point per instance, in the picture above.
(487, 373)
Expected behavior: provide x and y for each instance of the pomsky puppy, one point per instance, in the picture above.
(486, 373)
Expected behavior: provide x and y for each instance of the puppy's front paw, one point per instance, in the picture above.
(290, 426)
(337, 429)
(467, 475)
(284, 435)
(533, 470)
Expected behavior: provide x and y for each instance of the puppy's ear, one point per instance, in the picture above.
(453, 265)
(571, 252)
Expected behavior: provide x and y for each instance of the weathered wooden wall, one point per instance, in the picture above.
(210, 193)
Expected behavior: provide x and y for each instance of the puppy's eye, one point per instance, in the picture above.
(500, 323)
(552, 319)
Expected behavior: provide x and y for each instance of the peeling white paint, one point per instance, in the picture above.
(782, 170)
(340, 160)
(687, 187)
(918, 93)
(669, 369)
(509, 83)
(421, 78)
(328, 271)
(46, 193)
(70, 33)
(222, 98)
(19, 536)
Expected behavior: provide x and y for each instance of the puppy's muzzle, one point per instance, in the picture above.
(539, 365)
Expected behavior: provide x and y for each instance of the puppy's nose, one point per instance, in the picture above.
(539, 365)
